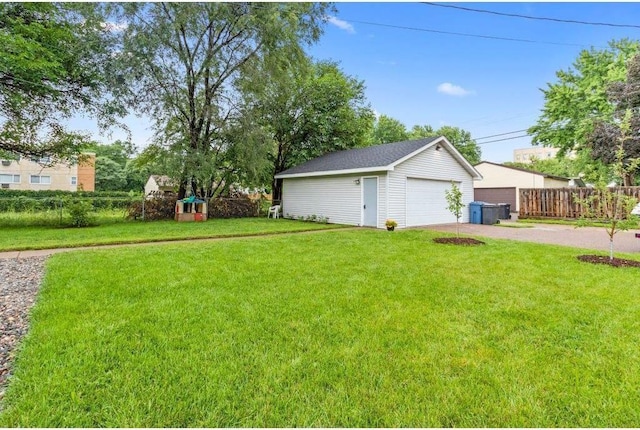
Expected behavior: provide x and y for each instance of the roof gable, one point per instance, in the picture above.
(372, 158)
(519, 169)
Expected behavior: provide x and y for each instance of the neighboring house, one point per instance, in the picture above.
(403, 181)
(501, 184)
(42, 174)
(159, 185)
(527, 155)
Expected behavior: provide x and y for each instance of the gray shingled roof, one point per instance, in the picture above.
(360, 158)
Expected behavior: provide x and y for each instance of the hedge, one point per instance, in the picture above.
(61, 193)
(28, 204)
(164, 208)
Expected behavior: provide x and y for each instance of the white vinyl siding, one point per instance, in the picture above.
(433, 165)
(335, 197)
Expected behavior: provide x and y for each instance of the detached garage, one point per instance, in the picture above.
(403, 181)
(502, 184)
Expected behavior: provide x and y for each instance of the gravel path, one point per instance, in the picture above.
(20, 280)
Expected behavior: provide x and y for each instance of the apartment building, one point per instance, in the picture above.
(41, 174)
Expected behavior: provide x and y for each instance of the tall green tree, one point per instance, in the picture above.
(459, 138)
(52, 65)
(180, 63)
(110, 175)
(579, 97)
(388, 130)
(309, 110)
(608, 137)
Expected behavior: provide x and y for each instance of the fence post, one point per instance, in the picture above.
(60, 200)
(143, 199)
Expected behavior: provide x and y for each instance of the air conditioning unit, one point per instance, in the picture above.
(6, 162)
(5, 186)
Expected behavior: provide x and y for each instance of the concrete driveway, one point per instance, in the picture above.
(586, 237)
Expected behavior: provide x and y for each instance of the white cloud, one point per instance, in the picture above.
(453, 90)
(343, 25)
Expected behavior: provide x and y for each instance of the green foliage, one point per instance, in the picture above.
(52, 66)
(182, 68)
(611, 206)
(304, 111)
(30, 201)
(388, 130)
(603, 140)
(80, 212)
(319, 219)
(160, 208)
(454, 203)
(236, 207)
(110, 176)
(355, 329)
(580, 96)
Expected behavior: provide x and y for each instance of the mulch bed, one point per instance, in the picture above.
(467, 241)
(603, 259)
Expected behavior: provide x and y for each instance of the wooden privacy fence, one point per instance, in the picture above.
(559, 202)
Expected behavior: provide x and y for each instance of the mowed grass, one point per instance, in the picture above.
(355, 328)
(19, 238)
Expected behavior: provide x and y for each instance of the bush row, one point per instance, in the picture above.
(28, 204)
(70, 194)
(164, 208)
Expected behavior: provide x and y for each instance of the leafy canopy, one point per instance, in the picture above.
(579, 97)
(52, 65)
(180, 65)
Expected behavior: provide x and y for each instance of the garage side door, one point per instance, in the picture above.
(496, 195)
(426, 202)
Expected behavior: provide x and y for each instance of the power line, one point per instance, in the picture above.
(515, 15)
(506, 138)
(501, 134)
(482, 36)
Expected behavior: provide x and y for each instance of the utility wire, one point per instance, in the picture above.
(506, 138)
(515, 15)
(482, 36)
(501, 134)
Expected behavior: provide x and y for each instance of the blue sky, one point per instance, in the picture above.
(482, 85)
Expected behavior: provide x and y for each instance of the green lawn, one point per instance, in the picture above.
(346, 328)
(17, 238)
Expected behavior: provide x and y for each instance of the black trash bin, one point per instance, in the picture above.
(505, 211)
(490, 214)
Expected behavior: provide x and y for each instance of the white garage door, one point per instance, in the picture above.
(426, 202)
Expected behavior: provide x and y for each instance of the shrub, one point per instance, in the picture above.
(234, 207)
(80, 212)
(154, 209)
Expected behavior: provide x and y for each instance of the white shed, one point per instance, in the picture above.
(403, 181)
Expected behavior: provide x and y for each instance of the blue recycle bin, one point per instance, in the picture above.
(475, 212)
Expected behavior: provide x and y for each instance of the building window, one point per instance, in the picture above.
(9, 179)
(74, 180)
(39, 179)
(41, 160)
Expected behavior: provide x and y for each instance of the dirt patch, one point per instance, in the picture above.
(467, 241)
(603, 259)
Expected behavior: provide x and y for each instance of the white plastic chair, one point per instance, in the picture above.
(275, 211)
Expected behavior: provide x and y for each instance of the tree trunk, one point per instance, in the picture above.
(276, 190)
